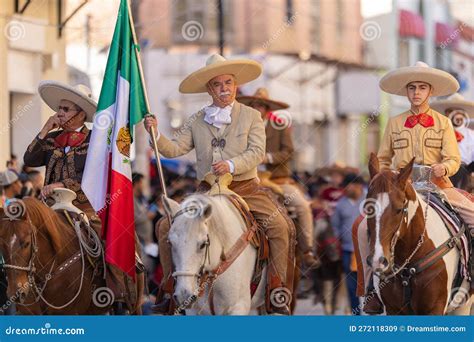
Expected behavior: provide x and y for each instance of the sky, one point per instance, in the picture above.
(370, 8)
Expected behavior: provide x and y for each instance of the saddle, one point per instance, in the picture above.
(268, 183)
(220, 186)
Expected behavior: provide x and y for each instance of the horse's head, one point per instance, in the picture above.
(17, 242)
(386, 208)
(189, 238)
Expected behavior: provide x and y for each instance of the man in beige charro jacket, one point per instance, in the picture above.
(424, 134)
(228, 137)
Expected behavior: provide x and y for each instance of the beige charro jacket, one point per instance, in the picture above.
(244, 136)
(432, 145)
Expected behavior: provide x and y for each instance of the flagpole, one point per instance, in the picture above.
(152, 129)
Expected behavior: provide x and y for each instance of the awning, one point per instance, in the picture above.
(411, 24)
(467, 32)
(446, 35)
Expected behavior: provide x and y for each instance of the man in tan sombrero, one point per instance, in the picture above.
(459, 111)
(228, 137)
(62, 143)
(279, 151)
(424, 134)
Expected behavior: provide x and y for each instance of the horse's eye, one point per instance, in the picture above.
(25, 244)
(203, 245)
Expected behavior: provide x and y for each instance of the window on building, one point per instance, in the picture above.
(421, 50)
(289, 11)
(403, 52)
(339, 19)
(441, 58)
(316, 25)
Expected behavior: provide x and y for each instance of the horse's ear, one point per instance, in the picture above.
(207, 211)
(405, 174)
(171, 206)
(374, 167)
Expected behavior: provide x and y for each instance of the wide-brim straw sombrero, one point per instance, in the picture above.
(396, 81)
(52, 92)
(455, 101)
(244, 70)
(262, 96)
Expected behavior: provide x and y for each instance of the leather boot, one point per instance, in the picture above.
(372, 305)
(310, 261)
(278, 297)
(164, 304)
(471, 255)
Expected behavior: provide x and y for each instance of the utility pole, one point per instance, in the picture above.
(220, 26)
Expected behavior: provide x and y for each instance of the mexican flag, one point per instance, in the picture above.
(107, 179)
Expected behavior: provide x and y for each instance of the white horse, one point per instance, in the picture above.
(202, 230)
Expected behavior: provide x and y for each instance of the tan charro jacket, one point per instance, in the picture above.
(244, 142)
(280, 150)
(432, 145)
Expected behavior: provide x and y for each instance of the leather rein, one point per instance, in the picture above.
(208, 278)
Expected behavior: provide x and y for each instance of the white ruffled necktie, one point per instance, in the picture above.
(217, 116)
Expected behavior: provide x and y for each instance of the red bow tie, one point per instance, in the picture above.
(71, 139)
(423, 119)
(459, 136)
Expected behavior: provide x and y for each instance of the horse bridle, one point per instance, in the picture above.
(394, 269)
(199, 274)
(31, 268)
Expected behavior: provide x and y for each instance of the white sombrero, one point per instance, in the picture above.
(396, 81)
(455, 101)
(52, 92)
(244, 70)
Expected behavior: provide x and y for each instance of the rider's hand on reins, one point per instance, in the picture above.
(439, 170)
(48, 189)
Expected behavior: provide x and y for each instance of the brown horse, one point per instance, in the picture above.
(403, 231)
(47, 270)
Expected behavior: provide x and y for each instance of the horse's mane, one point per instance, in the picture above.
(48, 223)
(382, 182)
(385, 181)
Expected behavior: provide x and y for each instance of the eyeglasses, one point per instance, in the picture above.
(67, 109)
